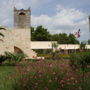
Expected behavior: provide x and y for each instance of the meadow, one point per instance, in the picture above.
(43, 75)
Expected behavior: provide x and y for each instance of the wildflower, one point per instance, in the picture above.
(62, 85)
(46, 88)
(73, 83)
(80, 88)
(58, 89)
(27, 69)
(72, 78)
(39, 71)
(40, 75)
(62, 81)
(50, 65)
(36, 84)
(70, 70)
(50, 81)
(62, 65)
(55, 78)
(68, 79)
(68, 83)
(54, 73)
(77, 70)
(76, 81)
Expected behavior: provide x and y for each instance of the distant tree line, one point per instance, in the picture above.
(42, 34)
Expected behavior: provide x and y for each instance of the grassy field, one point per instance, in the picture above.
(5, 81)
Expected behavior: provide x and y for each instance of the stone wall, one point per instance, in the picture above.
(19, 38)
(22, 18)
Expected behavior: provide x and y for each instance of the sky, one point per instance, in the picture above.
(58, 16)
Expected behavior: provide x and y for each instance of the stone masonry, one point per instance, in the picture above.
(19, 36)
(22, 18)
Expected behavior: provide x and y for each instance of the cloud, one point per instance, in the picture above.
(35, 2)
(64, 19)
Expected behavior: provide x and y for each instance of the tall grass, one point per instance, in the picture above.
(47, 75)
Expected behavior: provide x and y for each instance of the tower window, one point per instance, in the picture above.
(22, 13)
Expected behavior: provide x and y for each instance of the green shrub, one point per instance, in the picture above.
(2, 58)
(12, 57)
(55, 56)
(65, 56)
(80, 60)
(17, 57)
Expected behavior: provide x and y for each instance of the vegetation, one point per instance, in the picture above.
(83, 45)
(88, 41)
(15, 57)
(42, 34)
(44, 74)
(12, 57)
(2, 58)
(80, 60)
(5, 76)
(49, 75)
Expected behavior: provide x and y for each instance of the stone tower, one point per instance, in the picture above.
(18, 39)
(21, 34)
(22, 18)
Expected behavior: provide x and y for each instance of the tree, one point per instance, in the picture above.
(72, 39)
(63, 38)
(41, 34)
(83, 45)
(55, 37)
(54, 46)
(60, 38)
(88, 41)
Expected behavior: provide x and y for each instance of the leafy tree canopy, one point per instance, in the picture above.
(41, 34)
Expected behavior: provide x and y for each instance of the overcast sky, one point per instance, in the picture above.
(58, 16)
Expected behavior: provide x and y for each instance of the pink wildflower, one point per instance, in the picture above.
(62, 81)
(80, 88)
(54, 73)
(50, 81)
(50, 65)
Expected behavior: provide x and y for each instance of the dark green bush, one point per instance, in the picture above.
(80, 60)
(2, 58)
(12, 57)
(17, 57)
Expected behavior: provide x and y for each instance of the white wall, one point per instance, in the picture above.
(41, 44)
(48, 45)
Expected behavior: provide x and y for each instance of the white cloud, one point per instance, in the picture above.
(35, 2)
(38, 2)
(41, 20)
(59, 7)
(64, 20)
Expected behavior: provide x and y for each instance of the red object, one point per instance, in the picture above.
(77, 34)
